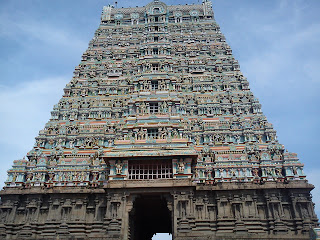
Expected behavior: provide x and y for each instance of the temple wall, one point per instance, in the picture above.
(271, 211)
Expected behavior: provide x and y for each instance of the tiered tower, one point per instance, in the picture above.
(157, 131)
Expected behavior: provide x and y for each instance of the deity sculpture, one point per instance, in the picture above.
(181, 166)
(119, 167)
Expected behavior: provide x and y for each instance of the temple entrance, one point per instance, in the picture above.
(149, 215)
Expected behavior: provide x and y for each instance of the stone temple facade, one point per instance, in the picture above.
(157, 131)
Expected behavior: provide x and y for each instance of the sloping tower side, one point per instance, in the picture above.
(158, 126)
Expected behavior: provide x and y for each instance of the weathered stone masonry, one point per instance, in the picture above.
(157, 126)
(217, 211)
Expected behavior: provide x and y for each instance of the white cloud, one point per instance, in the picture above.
(25, 106)
(278, 43)
(24, 111)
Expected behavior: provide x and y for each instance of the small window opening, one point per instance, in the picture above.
(154, 107)
(154, 85)
(155, 67)
(153, 133)
(155, 51)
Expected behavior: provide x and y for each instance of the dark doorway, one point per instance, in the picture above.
(149, 215)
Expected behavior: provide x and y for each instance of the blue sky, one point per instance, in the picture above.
(276, 43)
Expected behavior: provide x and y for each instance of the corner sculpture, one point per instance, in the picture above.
(157, 131)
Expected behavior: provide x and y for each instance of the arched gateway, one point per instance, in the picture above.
(157, 131)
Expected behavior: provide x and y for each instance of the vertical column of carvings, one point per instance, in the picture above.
(2, 228)
(21, 212)
(182, 213)
(76, 210)
(251, 216)
(225, 216)
(100, 208)
(43, 214)
(302, 211)
(128, 227)
(205, 214)
(91, 208)
(275, 212)
(237, 206)
(54, 214)
(288, 212)
(97, 209)
(7, 215)
(32, 209)
(233, 211)
(8, 209)
(212, 210)
(31, 206)
(116, 207)
(20, 215)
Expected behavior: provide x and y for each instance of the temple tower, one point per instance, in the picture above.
(157, 131)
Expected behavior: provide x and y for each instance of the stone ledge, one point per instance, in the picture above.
(41, 190)
(159, 183)
(150, 183)
(301, 184)
(239, 237)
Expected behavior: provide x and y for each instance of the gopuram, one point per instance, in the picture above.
(157, 131)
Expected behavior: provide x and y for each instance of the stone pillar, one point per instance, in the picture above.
(115, 215)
